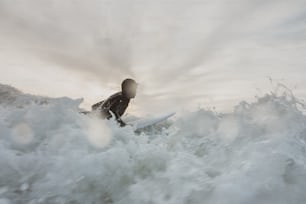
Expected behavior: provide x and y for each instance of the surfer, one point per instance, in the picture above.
(117, 103)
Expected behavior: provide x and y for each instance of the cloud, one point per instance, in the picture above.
(181, 50)
(54, 32)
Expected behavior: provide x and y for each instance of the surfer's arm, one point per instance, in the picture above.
(122, 106)
(97, 105)
(121, 122)
(118, 118)
(117, 107)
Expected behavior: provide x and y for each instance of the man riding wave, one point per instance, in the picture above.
(117, 103)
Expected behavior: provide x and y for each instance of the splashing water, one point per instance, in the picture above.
(52, 154)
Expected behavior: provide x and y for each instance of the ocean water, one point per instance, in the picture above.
(49, 153)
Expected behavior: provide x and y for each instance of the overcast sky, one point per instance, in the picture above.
(185, 54)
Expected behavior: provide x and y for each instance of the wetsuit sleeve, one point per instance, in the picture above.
(97, 105)
(114, 105)
(118, 109)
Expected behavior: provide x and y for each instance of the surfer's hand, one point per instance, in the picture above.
(121, 123)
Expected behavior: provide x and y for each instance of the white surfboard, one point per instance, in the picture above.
(146, 122)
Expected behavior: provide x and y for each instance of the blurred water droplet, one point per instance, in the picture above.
(22, 133)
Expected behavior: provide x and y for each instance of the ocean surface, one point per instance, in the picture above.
(49, 153)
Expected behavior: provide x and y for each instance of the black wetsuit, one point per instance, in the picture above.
(116, 103)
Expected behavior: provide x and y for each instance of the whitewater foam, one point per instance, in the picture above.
(49, 153)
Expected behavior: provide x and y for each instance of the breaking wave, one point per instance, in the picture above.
(49, 153)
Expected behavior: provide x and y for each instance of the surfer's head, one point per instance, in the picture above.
(129, 87)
